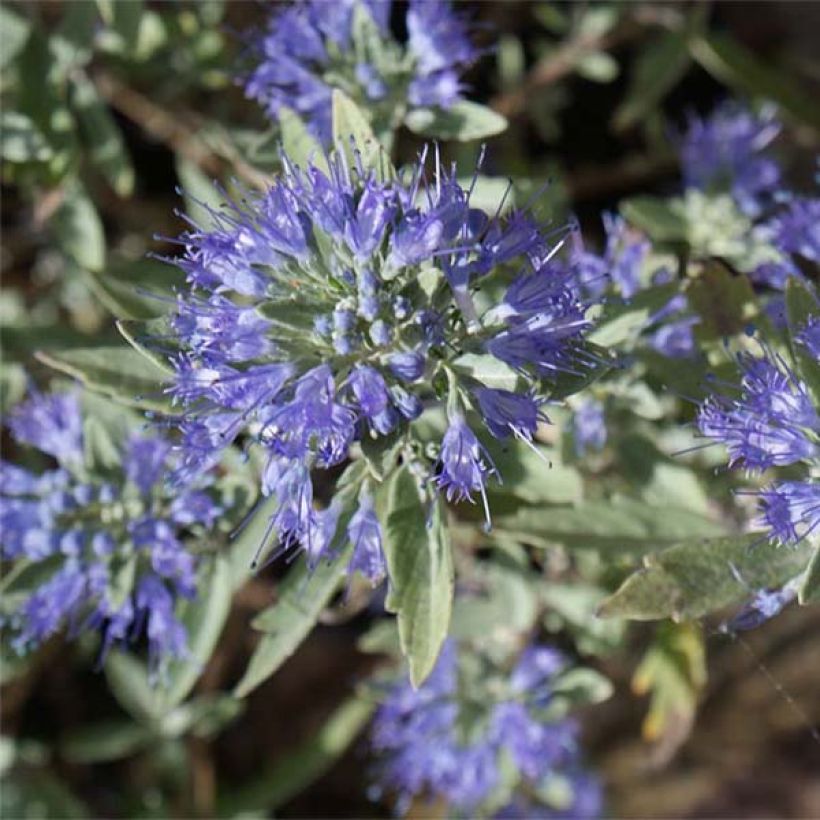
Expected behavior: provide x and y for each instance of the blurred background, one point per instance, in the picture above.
(595, 93)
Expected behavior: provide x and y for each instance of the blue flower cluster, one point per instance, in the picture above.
(726, 151)
(105, 543)
(335, 307)
(312, 47)
(730, 152)
(773, 423)
(440, 741)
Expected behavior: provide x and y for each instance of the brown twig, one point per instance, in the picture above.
(594, 181)
(564, 59)
(558, 64)
(174, 131)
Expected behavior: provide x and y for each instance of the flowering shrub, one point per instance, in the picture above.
(106, 527)
(370, 429)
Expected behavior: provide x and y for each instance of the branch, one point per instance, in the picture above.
(169, 128)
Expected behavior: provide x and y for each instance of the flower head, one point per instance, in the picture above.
(433, 744)
(110, 545)
(772, 423)
(726, 152)
(322, 312)
(589, 426)
(312, 47)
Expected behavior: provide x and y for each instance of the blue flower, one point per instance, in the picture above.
(790, 510)
(365, 535)
(796, 229)
(505, 412)
(772, 423)
(589, 426)
(809, 337)
(675, 339)
(51, 423)
(324, 311)
(465, 463)
(623, 259)
(312, 46)
(91, 533)
(726, 152)
(431, 743)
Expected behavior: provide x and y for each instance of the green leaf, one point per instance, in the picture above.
(128, 679)
(488, 370)
(801, 306)
(124, 19)
(533, 475)
(106, 147)
(809, 592)
(622, 328)
(78, 228)
(381, 452)
(29, 792)
(656, 217)
(301, 598)
(300, 766)
(464, 121)
(420, 565)
(674, 672)
(724, 302)
(500, 602)
(14, 31)
(655, 73)
(243, 549)
(199, 193)
(598, 66)
(119, 372)
(103, 742)
(581, 685)
(136, 289)
(20, 138)
(696, 577)
(302, 595)
(619, 527)
(299, 144)
(572, 608)
(100, 451)
(735, 65)
(139, 336)
(352, 132)
(204, 619)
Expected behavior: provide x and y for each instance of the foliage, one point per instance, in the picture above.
(386, 386)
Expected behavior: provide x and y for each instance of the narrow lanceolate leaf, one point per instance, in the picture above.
(352, 134)
(735, 65)
(619, 527)
(809, 592)
(301, 598)
(420, 565)
(130, 685)
(79, 230)
(299, 144)
(656, 71)
(694, 578)
(103, 742)
(802, 305)
(464, 121)
(106, 146)
(119, 372)
(300, 767)
(204, 618)
(303, 594)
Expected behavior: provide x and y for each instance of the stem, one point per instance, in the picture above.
(170, 129)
